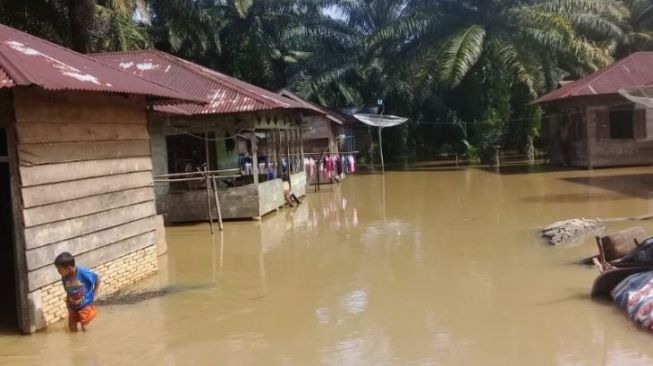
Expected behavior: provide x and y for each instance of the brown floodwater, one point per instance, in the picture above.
(431, 266)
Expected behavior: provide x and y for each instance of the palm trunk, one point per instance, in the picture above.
(81, 15)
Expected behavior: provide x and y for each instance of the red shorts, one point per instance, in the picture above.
(84, 316)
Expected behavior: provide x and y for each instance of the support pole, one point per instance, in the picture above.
(254, 157)
(381, 149)
(217, 202)
(208, 200)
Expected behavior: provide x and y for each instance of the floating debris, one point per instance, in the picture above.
(569, 231)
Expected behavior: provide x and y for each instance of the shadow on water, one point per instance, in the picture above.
(524, 168)
(574, 197)
(633, 185)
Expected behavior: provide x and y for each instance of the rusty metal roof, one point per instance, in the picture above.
(308, 105)
(223, 93)
(26, 60)
(636, 69)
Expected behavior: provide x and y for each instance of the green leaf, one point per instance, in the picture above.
(460, 53)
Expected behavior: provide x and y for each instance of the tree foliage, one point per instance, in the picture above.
(464, 71)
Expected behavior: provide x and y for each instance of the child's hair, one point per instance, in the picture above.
(64, 259)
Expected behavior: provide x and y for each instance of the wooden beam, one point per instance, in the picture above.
(63, 230)
(68, 112)
(85, 206)
(59, 192)
(23, 308)
(33, 154)
(63, 172)
(44, 256)
(78, 132)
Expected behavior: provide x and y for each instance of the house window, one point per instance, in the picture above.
(622, 124)
(188, 154)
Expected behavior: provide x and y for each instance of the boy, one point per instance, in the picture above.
(81, 285)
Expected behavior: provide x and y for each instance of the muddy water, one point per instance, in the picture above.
(429, 267)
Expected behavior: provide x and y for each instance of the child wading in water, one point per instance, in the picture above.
(81, 285)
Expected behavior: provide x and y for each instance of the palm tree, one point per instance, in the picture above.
(528, 37)
(83, 25)
(185, 28)
(638, 28)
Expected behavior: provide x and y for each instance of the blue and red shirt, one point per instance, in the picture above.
(79, 287)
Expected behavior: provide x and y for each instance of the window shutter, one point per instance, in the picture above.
(602, 119)
(639, 122)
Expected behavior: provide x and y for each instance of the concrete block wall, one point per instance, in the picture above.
(115, 275)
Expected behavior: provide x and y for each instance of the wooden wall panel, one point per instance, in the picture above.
(59, 192)
(34, 132)
(48, 274)
(61, 230)
(34, 154)
(85, 206)
(44, 256)
(63, 172)
(86, 178)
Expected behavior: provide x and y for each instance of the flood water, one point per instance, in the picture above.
(429, 266)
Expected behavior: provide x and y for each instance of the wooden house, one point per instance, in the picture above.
(75, 175)
(247, 133)
(589, 124)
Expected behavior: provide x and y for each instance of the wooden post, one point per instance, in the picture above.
(23, 306)
(254, 157)
(588, 135)
(206, 151)
(279, 159)
(301, 146)
(208, 199)
(286, 134)
(217, 202)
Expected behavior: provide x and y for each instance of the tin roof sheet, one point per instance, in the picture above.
(26, 60)
(312, 106)
(633, 70)
(223, 93)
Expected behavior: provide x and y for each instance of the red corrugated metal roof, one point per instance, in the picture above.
(636, 69)
(308, 105)
(224, 94)
(26, 60)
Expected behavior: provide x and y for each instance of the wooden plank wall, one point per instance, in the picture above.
(86, 178)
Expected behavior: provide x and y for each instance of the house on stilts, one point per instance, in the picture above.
(249, 136)
(75, 175)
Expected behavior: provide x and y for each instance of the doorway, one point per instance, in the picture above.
(8, 298)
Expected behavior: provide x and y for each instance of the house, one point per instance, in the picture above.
(75, 175)
(589, 124)
(248, 134)
(323, 137)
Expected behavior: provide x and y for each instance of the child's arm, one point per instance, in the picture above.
(96, 287)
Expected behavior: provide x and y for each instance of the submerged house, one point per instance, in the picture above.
(75, 175)
(590, 125)
(251, 136)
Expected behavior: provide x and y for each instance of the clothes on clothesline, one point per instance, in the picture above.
(329, 167)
